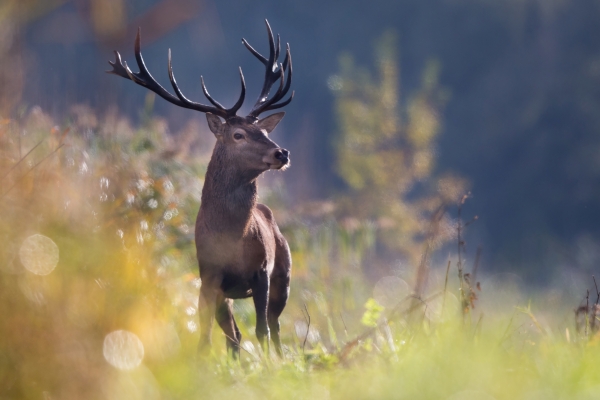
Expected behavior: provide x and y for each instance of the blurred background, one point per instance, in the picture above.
(420, 130)
(516, 106)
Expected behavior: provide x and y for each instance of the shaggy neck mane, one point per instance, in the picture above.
(229, 194)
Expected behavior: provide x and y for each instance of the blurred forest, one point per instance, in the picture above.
(410, 120)
(516, 102)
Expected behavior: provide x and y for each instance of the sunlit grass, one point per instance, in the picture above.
(99, 284)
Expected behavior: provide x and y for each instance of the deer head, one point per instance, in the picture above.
(247, 143)
(242, 142)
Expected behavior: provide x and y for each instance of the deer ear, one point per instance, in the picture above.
(269, 123)
(215, 124)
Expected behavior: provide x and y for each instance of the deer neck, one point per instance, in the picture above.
(229, 195)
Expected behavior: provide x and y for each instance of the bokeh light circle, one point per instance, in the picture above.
(123, 350)
(389, 291)
(442, 308)
(39, 254)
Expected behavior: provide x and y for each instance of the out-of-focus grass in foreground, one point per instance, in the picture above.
(98, 289)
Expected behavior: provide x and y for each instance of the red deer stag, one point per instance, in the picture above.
(241, 252)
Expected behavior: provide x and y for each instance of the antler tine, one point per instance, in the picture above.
(187, 102)
(260, 57)
(208, 96)
(273, 71)
(287, 56)
(117, 66)
(278, 94)
(144, 78)
(233, 110)
(288, 60)
(271, 104)
(240, 101)
(278, 48)
(271, 61)
(283, 104)
(272, 55)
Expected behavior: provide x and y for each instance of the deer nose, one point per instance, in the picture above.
(282, 155)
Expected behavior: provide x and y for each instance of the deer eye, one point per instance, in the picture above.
(238, 136)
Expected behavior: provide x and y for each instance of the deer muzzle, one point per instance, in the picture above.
(277, 158)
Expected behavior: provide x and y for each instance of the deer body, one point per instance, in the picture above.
(241, 252)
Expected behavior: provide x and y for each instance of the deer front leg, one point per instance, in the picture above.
(279, 291)
(224, 316)
(260, 295)
(206, 311)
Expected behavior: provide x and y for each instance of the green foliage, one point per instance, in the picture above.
(385, 150)
(119, 204)
(372, 313)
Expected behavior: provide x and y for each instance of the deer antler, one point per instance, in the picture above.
(144, 78)
(273, 72)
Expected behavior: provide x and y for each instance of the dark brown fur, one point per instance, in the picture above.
(241, 252)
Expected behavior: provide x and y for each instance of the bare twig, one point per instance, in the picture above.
(445, 286)
(587, 307)
(594, 310)
(29, 170)
(467, 300)
(460, 247)
(476, 265)
(344, 351)
(21, 159)
(307, 316)
(388, 335)
(581, 310)
(587, 312)
(344, 323)
(423, 268)
(475, 218)
(527, 311)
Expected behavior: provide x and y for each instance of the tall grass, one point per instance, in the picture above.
(115, 316)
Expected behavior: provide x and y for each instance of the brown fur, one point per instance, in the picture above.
(241, 252)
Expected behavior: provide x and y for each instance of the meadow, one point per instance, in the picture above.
(99, 286)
